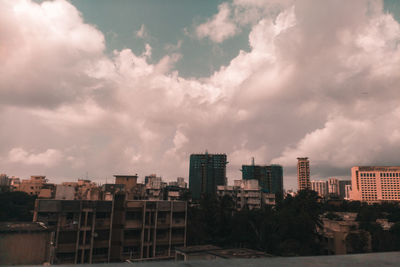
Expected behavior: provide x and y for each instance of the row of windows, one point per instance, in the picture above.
(382, 174)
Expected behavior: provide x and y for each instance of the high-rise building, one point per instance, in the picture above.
(333, 186)
(321, 187)
(270, 177)
(303, 173)
(375, 183)
(342, 188)
(206, 172)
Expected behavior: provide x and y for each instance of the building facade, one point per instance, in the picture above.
(321, 187)
(113, 231)
(303, 173)
(206, 172)
(375, 183)
(342, 188)
(270, 177)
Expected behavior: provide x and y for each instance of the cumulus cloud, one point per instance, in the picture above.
(220, 27)
(320, 80)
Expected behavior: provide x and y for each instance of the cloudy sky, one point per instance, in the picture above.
(114, 87)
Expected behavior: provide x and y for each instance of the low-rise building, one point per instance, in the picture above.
(117, 230)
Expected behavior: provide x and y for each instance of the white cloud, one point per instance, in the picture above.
(318, 81)
(220, 27)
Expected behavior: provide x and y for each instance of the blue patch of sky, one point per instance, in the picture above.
(166, 22)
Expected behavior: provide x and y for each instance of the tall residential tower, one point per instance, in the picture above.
(206, 172)
(303, 173)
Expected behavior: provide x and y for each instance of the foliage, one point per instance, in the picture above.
(16, 206)
(289, 229)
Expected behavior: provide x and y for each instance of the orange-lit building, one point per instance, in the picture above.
(375, 183)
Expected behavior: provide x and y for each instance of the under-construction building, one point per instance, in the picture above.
(113, 231)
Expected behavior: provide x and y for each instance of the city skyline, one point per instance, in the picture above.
(122, 87)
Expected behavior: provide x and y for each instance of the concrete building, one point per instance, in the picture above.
(320, 186)
(25, 243)
(270, 177)
(303, 173)
(333, 186)
(65, 192)
(117, 230)
(180, 182)
(246, 193)
(375, 183)
(206, 172)
(33, 185)
(129, 181)
(347, 190)
(342, 188)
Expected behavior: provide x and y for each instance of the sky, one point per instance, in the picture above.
(96, 88)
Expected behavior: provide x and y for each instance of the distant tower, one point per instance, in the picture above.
(303, 173)
(206, 172)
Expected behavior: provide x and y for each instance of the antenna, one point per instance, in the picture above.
(252, 161)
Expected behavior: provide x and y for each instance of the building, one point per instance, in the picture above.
(246, 193)
(270, 177)
(375, 183)
(33, 185)
(342, 188)
(333, 186)
(347, 190)
(180, 182)
(303, 173)
(321, 187)
(129, 181)
(65, 192)
(25, 243)
(206, 172)
(110, 231)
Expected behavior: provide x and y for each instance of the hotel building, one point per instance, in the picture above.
(375, 183)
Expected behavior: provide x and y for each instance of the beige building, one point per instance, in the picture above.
(333, 186)
(375, 183)
(321, 187)
(303, 173)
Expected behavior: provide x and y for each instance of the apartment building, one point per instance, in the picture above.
(246, 193)
(303, 173)
(375, 183)
(113, 231)
(321, 187)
